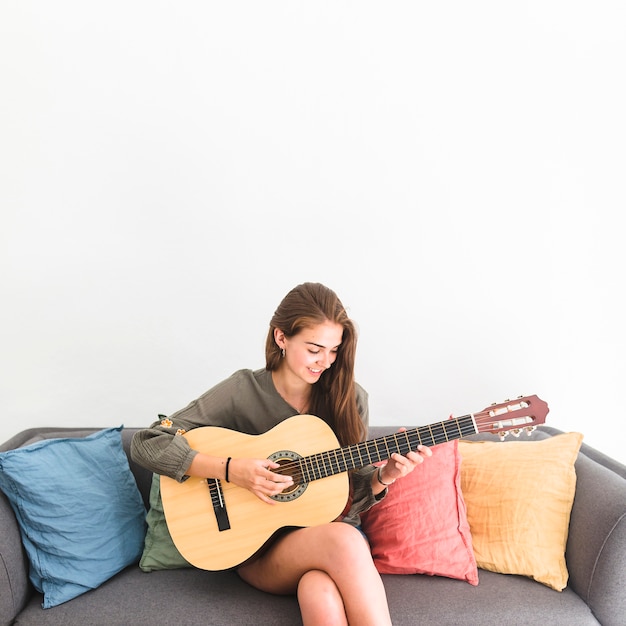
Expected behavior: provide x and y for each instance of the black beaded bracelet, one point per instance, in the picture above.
(227, 464)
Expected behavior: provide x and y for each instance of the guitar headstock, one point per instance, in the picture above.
(523, 414)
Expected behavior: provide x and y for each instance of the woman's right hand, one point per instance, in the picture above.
(256, 475)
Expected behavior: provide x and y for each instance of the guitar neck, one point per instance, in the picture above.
(358, 455)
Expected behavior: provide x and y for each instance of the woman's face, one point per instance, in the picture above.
(312, 351)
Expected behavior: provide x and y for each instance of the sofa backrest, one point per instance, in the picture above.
(143, 476)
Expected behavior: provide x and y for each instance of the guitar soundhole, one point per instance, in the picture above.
(289, 466)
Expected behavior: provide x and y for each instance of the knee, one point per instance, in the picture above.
(347, 541)
(316, 584)
(320, 600)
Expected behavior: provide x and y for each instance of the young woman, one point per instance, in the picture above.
(310, 353)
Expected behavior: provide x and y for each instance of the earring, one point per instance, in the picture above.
(283, 352)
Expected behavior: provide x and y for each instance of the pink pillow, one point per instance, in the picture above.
(421, 526)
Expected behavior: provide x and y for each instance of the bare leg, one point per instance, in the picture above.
(320, 602)
(339, 551)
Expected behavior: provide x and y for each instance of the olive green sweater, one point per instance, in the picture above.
(247, 402)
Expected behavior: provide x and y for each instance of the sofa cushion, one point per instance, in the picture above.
(159, 551)
(81, 516)
(519, 497)
(421, 526)
(190, 597)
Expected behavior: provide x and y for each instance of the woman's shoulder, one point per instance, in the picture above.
(234, 390)
(258, 376)
(362, 396)
(362, 402)
(245, 374)
(259, 379)
(235, 382)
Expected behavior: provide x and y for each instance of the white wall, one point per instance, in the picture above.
(454, 170)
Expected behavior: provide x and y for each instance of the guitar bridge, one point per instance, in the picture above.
(219, 506)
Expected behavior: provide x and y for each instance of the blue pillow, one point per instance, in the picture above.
(80, 512)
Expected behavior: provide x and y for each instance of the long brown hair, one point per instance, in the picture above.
(333, 397)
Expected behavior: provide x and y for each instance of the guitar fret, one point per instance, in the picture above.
(312, 467)
(323, 458)
(438, 433)
(444, 428)
(468, 427)
(455, 423)
(341, 459)
(431, 440)
(358, 449)
(318, 473)
(360, 462)
(322, 465)
(307, 473)
(387, 447)
(401, 443)
(319, 465)
(371, 446)
(407, 441)
(348, 458)
(431, 437)
(364, 455)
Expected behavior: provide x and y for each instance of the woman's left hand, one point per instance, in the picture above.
(399, 465)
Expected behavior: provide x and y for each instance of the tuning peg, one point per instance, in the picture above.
(516, 432)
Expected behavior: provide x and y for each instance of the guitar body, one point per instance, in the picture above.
(189, 511)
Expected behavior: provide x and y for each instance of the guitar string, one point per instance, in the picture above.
(318, 464)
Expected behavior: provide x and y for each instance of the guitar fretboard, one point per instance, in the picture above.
(332, 462)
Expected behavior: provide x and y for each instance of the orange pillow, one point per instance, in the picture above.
(420, 527)
(519, 497)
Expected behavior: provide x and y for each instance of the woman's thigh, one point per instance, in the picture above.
(336, 548)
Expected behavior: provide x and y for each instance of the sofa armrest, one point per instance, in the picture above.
(597, 540)
(15, 587)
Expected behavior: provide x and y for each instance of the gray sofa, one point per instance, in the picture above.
(596, 560)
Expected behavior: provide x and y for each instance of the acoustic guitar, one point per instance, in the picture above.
(217, 525)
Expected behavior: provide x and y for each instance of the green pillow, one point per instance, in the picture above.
(159, 551)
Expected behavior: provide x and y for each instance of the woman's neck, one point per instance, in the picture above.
(296, 395)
